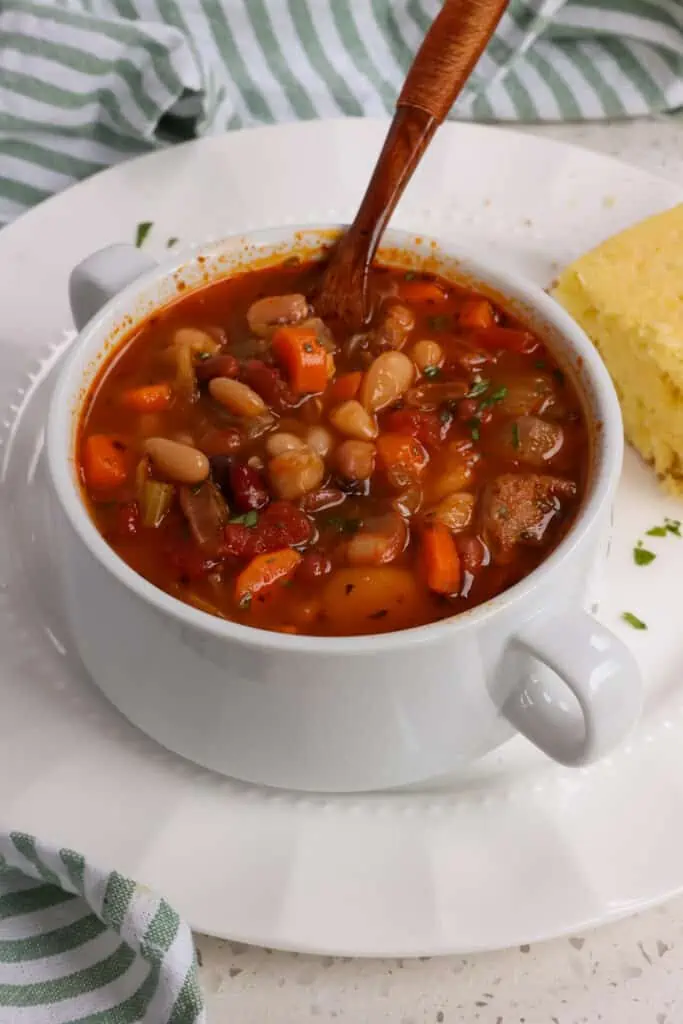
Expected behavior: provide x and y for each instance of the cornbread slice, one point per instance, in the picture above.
(628, 296)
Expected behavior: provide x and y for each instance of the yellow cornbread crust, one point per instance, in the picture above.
(627, 295)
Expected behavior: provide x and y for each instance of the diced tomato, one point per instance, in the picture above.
(425, 426)
(281, 525)
(190, 562)
(344, 387)
(238, 542)
(128, 519)
(510, 339)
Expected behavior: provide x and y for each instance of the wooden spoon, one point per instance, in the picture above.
(451, 48)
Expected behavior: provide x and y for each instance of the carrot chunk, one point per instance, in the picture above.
(422, 291)
(263, 572)
(303, 357)
(476, 313)
(150, 398)
(440, 560)
(345, 387)
(104, 464)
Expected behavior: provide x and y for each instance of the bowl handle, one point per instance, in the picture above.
(596, 667)
(101, 276)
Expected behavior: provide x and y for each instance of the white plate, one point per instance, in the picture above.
(517, 850)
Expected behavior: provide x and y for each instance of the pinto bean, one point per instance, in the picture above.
(236, 397)
(355, 460)
(264, 315)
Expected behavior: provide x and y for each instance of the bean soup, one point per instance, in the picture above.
(272, 469)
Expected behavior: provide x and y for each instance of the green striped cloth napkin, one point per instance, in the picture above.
(87, 83)
(80, 945)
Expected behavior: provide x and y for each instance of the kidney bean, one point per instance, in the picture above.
(248, 488)
(267, 382)
(313, 566)
(221, 442)
(223, 365)
(326, 497)
(472, 551)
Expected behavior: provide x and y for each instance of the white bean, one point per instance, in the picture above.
(352, 419)
(320, 440)
(178, 462)
(295, 473)
(426, 354)
(280, 442)
(388, 377)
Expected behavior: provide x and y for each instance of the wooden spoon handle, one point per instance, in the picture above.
(453, 45)
(450, 50)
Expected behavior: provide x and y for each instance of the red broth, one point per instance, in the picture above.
(271, 469)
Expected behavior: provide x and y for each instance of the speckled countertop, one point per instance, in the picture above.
(626, 973)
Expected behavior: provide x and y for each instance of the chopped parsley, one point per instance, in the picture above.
(515, 435)
(478, 388)
(670, 526)
(633, 620)
(431, 372)
(245, 602)
(170, 242)
(249, 519)
(445, 415)
(439, 322)
(141, 232)
(496, 396)
(344, 525)
(202, 356)
(641, 556)
(475, 431)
